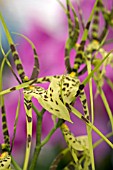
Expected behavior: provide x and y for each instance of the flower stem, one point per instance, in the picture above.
(40, 144)
(38, 137)
(16, 166)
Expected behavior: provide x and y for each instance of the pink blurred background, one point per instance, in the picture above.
(44, 22)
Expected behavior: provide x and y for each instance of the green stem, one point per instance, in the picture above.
(39, 128)
(101, 140)
(106, 104)
(109, 82)
(108, 41)
(90, 91)
(16, 166)
(38, 137)
(80, 116)
(95, 69)
(38, 149)
(47, 138)
(40, 144)
(89, 130)
(35, 157)
(35, 109)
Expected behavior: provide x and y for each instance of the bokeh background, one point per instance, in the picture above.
(44, 22)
